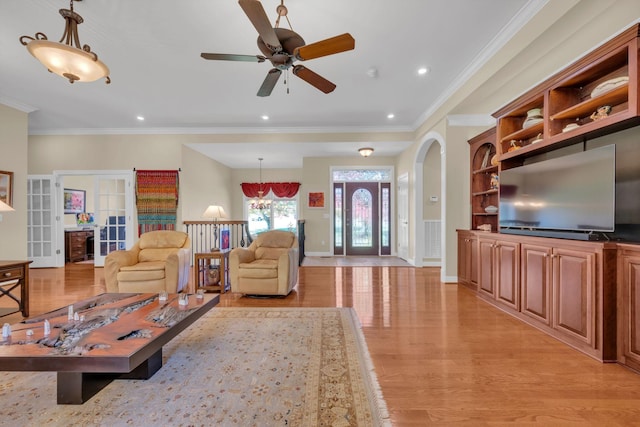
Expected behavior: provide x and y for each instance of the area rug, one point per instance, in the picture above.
(233, 367)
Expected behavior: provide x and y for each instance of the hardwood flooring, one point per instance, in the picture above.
(442, 356)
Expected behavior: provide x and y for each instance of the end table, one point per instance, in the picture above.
(203, 262)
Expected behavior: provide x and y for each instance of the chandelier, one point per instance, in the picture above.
(66, 58)
(261, 203)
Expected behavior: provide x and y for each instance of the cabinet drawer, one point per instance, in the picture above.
(14, 273)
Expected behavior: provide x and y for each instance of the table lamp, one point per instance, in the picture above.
(214, 212)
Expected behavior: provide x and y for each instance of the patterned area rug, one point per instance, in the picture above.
(233, 367)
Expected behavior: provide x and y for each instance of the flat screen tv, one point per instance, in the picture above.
(570, 193)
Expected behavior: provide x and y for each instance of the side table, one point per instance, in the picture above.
(202, 262)
(12, 275)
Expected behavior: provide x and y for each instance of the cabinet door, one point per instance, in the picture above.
(574, 287)
(507, 268)
(630, 301)
(535, 280)
(486, 267)
(473, 260)
(463, 248)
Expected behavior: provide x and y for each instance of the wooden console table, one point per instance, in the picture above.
(12, 275)
(75, 244)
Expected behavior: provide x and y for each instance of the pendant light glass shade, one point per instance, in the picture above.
(68, 59)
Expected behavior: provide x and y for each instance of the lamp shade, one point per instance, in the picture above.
(214, 212)
(5, 207)
(68, 61)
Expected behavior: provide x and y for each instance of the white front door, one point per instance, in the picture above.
(403, 216)
(41, 221)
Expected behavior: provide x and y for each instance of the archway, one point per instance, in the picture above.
(418, 198)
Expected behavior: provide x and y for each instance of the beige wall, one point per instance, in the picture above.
(316, 176)
(431, 184)
(79, 182)
(13, 158)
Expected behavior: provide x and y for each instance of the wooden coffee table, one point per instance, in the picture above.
(117, 336)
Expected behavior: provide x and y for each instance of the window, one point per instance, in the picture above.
(279, 214)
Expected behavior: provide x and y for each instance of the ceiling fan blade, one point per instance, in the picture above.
(233, 57)
(258, 17)
(315, 80)
(269, 82)
(326, 47)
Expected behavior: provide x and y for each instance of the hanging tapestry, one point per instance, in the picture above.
(156, 199)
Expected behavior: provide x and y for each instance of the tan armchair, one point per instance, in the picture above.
(158, 261)
(269, 266)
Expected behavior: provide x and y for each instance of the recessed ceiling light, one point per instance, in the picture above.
(390, 116)
(423, 70)
(140, 118)
(265, 117)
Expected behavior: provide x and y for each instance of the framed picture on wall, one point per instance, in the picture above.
(316, 199)
(74, 201)
(6, 187)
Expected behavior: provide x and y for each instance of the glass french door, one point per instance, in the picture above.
(113, 207)
(41, 217)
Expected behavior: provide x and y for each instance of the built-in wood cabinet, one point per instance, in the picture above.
(594, 96)
(629, 306)
(468, 259)
(565, 288)
(586, 294)
(484, 182)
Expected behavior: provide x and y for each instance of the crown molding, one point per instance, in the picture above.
(25, 108)
(218, 130)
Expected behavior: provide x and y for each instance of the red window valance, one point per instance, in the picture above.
(280, 189)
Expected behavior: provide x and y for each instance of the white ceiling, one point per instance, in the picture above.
(153, 47)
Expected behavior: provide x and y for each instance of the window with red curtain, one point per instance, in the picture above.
(282, 211)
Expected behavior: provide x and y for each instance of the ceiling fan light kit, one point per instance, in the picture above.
(67, 58)
(282, 47)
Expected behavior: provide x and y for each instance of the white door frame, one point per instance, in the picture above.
(402, 194)
(129, 203)
(418, 195)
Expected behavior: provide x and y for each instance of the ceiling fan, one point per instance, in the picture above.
(282, 47)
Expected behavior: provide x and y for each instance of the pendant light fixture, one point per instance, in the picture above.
(261, 203)
(365, 151)
(67, 58)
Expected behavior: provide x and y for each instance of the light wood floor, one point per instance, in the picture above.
(442, 356)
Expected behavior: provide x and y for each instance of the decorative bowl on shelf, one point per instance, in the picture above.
(534, 116)
(570, 127)
(609, 85)
(491, 209)
(539, 138)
